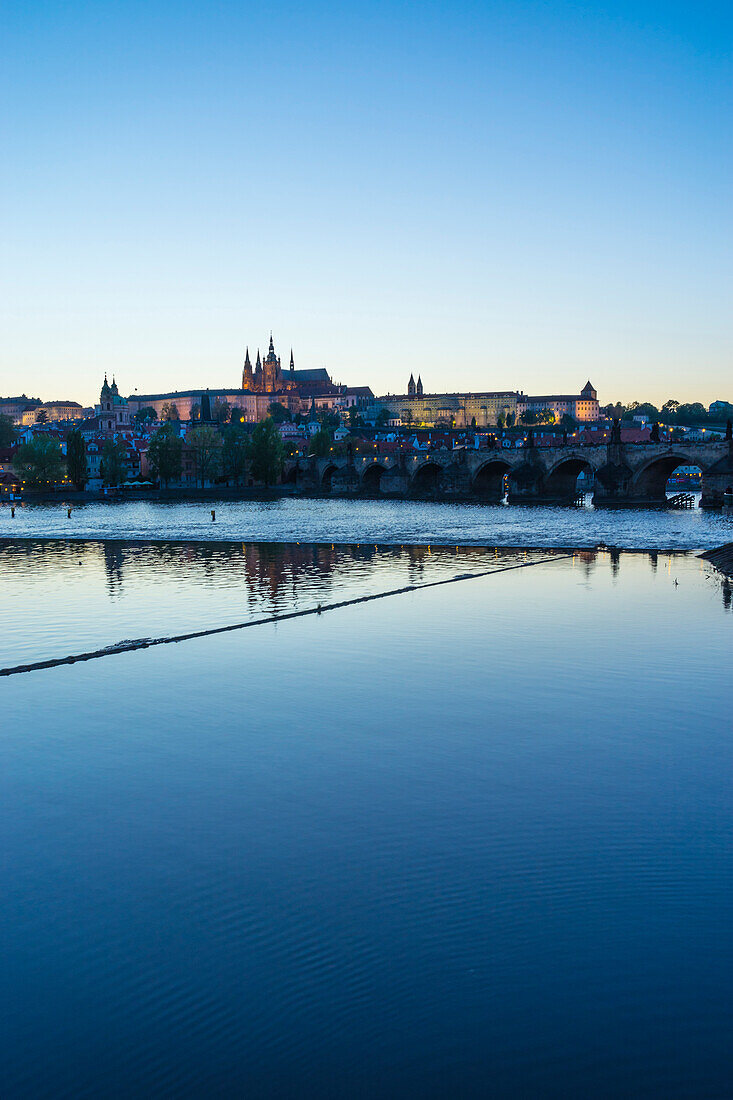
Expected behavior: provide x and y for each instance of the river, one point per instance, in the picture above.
(471, 838)
(388, 522)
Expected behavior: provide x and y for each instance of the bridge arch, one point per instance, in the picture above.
(371, 477)
(327, 477)
(561, 480)
(424, 481)
(650, 481)
(489, 481)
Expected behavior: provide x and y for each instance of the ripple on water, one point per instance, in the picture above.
(382, 521)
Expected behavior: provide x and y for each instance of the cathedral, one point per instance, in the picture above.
(267, 376)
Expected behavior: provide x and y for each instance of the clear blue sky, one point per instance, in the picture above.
(496, 195)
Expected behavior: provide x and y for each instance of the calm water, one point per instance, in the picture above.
(380, 521)
(466, 841)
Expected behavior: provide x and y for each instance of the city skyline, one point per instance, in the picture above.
(505, 195)
(400, 385)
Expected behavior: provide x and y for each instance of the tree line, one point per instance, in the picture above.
(674, 413)
(228, 453)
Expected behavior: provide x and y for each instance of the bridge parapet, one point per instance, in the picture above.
(622, 473)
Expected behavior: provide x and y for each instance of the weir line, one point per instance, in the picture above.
(319, 609)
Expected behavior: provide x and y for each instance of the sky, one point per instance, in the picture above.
(520, 194)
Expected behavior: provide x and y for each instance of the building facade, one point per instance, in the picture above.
(583, 407)
(460, 410)
(55, 411)
(113, 410)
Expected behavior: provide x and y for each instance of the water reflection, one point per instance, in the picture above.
(60, 596)
(113, 560)
(464, 840)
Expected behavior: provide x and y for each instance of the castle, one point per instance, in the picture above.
(267, 376)
(263, 384)
(484, 409)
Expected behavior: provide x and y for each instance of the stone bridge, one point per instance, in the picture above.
(623, 473)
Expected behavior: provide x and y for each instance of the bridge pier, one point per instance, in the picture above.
(717, 481)
(624, 475)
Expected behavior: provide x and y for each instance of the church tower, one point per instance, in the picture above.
(411, 387)
(419, 386)
(271, 370)
(247, 376)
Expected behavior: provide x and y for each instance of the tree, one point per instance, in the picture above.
(41, 417)
(529, 416)
(669, 409)
(7, 430)
(693, 413)
(234, 451)
(568, 422)
(236, 416)
(113, 466)
(169, 411)
(204, 442)
(510, 420)
(220, 411)
(266, 452)
(500, 420)
(76, 459)
(328, 419)
(164, 454)
(643, 409)
(279, 413)
(40, 462)
(382, 418)
(320, 444)
(355, 420)
(195, 411)
(142, 416)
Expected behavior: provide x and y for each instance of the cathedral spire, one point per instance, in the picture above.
(247, 378)
(271, 349)
(292, 361)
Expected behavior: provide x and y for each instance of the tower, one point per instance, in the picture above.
(271, 370)
(411, 387)
(247, 377)
(419, 386)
